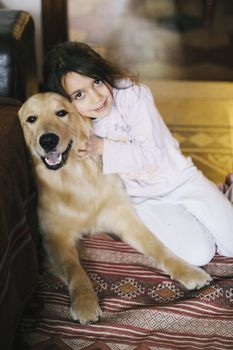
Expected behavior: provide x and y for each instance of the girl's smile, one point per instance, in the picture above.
(91, 97)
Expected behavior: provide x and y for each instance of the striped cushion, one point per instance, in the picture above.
(142, 307)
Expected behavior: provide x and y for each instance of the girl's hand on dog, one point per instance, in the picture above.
(94, 146)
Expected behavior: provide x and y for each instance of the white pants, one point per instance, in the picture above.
(192, 220)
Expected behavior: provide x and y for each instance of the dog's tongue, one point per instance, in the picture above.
(53, 158)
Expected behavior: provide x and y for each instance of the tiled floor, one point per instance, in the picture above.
(160, 39)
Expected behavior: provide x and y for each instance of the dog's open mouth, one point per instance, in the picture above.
(55, 160)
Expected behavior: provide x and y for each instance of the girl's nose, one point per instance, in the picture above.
(95, 96)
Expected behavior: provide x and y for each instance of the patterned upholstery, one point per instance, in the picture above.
(142, 308)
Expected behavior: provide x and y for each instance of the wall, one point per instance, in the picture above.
(34, 7)
(159, 39)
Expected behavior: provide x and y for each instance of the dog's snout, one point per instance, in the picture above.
(49, 141)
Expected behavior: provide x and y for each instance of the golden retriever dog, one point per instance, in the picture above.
(76, 198)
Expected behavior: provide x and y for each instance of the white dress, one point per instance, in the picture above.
(175, 201)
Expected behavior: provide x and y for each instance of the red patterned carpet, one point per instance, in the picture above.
(142, 308)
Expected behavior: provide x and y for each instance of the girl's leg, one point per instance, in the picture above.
(213, 210)
(178, 229)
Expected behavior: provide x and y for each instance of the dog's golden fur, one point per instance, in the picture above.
(76, 198)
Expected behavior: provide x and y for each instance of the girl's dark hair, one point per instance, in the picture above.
(80, 58)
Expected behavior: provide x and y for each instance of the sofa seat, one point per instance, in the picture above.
(143, 309)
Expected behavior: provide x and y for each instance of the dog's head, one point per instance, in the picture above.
(53, 130)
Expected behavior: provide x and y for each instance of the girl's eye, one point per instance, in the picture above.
(98, 81)
(61, 113)
(79, 95)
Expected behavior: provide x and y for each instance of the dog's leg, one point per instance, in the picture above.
(129, 227)
(64, 256)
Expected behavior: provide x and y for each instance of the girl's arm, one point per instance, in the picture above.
(148, 138)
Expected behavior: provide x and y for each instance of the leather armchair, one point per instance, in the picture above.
(18, 219)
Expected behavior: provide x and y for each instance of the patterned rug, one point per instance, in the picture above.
(142, 308)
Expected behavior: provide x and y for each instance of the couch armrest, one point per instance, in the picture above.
(18, 257)
(18, 73)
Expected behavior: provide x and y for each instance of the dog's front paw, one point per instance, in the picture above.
(86, 309)
(192, 277)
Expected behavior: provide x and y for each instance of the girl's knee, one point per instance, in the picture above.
(225, 251)
(201, 255)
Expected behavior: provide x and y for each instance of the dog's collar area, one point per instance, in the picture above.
(55, 160)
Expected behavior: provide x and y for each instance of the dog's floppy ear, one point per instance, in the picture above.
(85, 123)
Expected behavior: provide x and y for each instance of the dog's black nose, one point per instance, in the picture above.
(49, 141)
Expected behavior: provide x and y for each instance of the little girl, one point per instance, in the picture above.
(172, 197)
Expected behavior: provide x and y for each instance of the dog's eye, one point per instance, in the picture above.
(61, 113)
(31, 119)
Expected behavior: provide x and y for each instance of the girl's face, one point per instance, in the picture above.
(92, 98)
